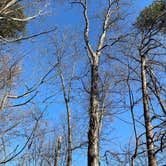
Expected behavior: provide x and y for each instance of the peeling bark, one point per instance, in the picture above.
(93, 134)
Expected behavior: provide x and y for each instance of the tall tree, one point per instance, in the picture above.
(95, 120)
(150, 22)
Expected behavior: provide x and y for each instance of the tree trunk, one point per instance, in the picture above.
(93, 134)
(69, 150)
(149, 134)
(69, 123)
(57, 152)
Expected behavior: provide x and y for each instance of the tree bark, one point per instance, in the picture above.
(93, 134)
(69, 123)
(57, 152)
(69, 150)
(149, 134)
(94, 122)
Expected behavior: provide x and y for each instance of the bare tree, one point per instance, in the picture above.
(94, 57)
(66, 94)
(149, 28)
(147, 45)
(148, 125)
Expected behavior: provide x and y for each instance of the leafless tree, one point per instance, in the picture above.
(94, 57)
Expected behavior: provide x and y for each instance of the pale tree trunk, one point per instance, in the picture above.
(149, 134)
(69, 123)
(132, 104)
(93, 134)
(69, 150)
(58, 151)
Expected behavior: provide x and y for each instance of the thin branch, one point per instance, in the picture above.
(27, 37)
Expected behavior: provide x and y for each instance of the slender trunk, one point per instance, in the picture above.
(69, 125)
(134, 123)
(69, 150)
(132, 161)
(149, 134)
(57, 152)
(93, 134)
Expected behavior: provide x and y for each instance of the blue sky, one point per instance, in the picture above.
(62, 18)
(73, 18)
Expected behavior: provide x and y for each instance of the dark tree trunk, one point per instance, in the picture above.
(93, 134)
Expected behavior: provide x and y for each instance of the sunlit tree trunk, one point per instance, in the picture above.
(69, 150)
(58, 151)
(149, 134)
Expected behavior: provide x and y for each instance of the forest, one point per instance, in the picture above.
(83, 82)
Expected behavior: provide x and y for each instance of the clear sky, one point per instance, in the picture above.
(62, 18)
(73, 18)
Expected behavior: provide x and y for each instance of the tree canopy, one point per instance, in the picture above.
(153, 17)
(10, 19)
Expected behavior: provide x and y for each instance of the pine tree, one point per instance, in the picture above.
(10, 15)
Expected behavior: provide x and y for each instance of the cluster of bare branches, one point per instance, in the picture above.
(81, 89)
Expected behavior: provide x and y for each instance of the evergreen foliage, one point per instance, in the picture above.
(9, 27)
(153, 17)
